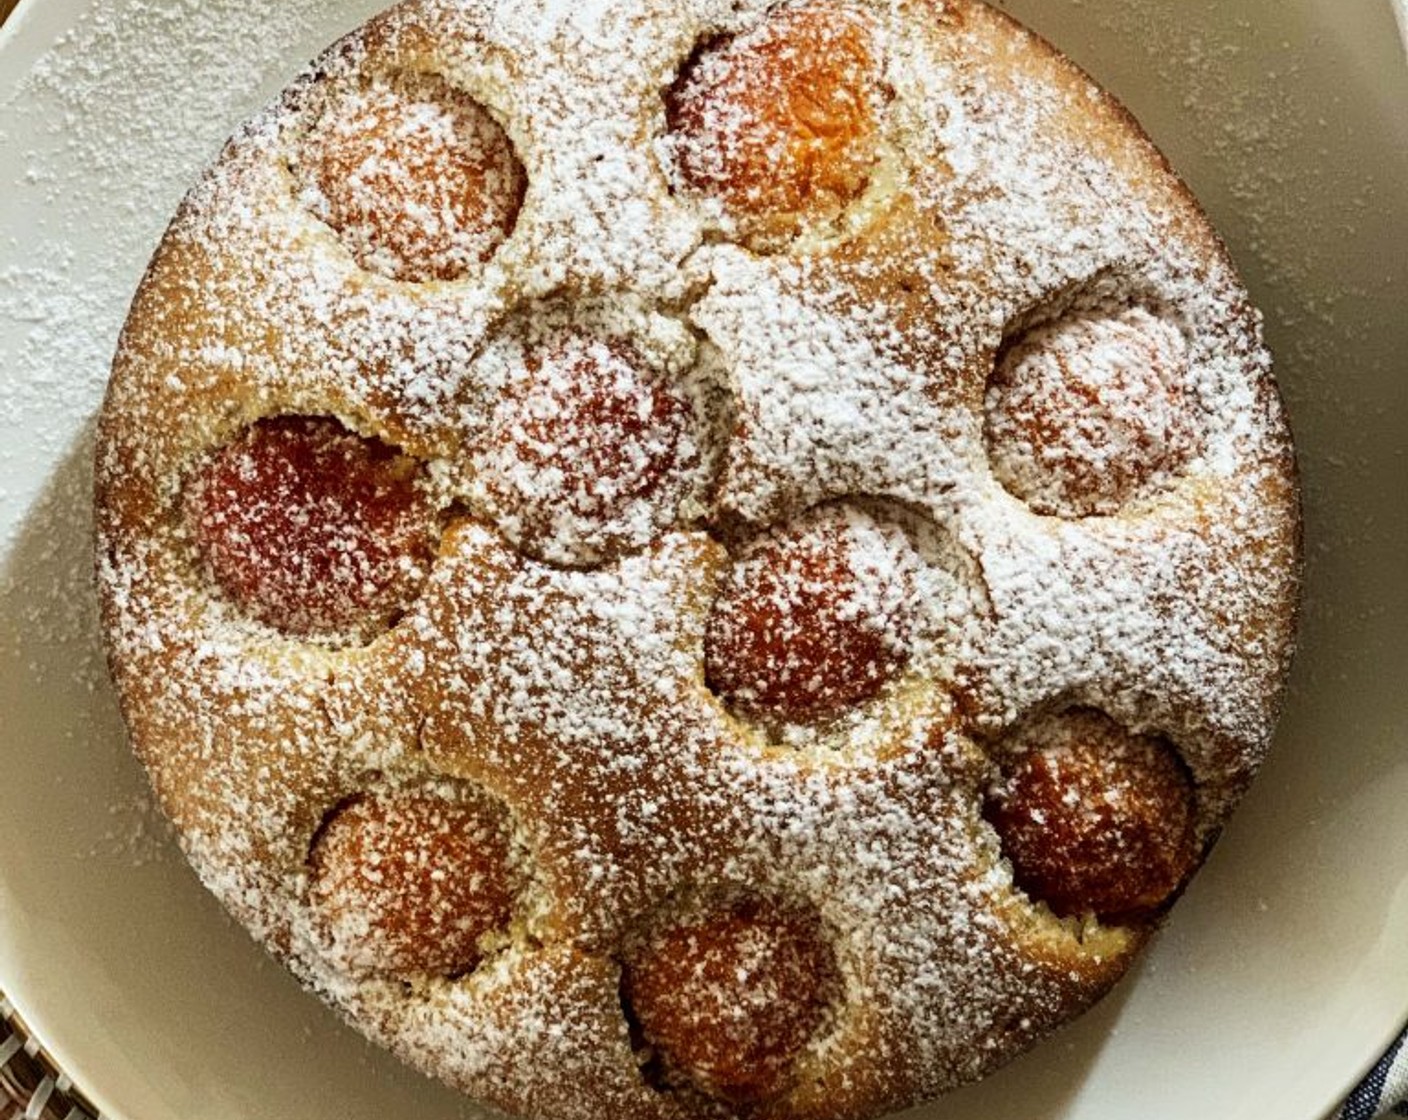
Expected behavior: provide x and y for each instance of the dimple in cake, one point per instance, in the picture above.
(691, 559)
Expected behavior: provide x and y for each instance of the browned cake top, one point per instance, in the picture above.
(675, 558)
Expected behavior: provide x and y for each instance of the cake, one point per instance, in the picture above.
(682, 559)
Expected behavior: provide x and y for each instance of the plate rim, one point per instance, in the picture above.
(29, 26)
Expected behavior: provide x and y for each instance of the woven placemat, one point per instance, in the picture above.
(31, 1085)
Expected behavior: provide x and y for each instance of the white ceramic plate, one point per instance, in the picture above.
(1285, 969)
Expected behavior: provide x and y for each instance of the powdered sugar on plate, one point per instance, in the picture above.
(854, 371)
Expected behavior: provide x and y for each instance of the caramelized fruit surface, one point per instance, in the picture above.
(418, 180)
(730, 998)
(1089, 411)
(1095, 820)
(407, 883)
(780, 121)
(587, 450)
(312, 528)
(811, 620)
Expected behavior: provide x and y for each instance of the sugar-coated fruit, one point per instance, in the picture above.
(1095, 820)
(417, 178)
(781, 120)
(728, 999)
(411, 882)
(312, 528)
(586, 450)
(1089, 411)
(812, 619)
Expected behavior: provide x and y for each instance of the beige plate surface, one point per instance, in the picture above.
(1285, 969)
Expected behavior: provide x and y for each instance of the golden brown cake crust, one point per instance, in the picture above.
(829, 369)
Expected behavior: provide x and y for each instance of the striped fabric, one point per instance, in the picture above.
(1384, 1093)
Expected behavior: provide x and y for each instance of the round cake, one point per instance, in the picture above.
(681, 558)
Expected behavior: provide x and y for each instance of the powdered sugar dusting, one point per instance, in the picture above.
(419, 181)
(556, 661)
(1088, 412)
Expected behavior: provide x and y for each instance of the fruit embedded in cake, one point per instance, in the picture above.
(727, 1000)
(813, 618)
(722, 538)
(588, 450)
(312, 528)
(1095, 820)
(406, 883)
(780, 121)
(1089, 411)
(418, 180)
